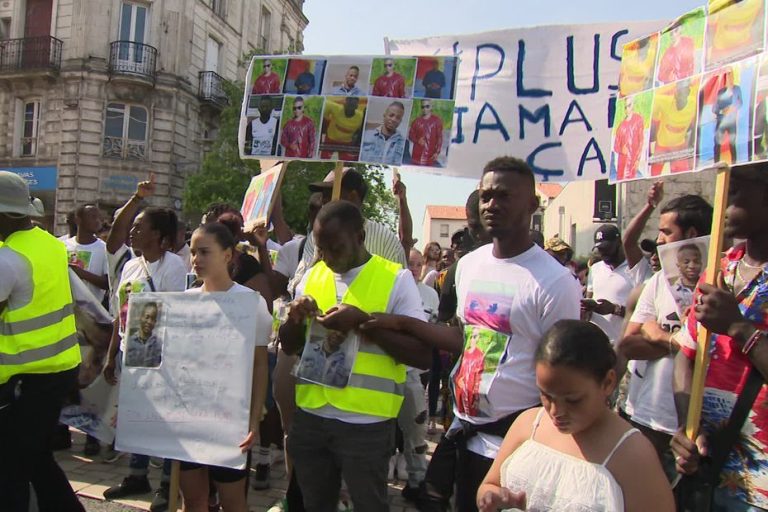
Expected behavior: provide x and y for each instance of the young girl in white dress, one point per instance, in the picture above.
(575, 453)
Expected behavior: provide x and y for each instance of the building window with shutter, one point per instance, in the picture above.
(264, 29)
(30, 123)
(444, 230)
(125, 132)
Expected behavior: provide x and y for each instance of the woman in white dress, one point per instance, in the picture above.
(575, 453)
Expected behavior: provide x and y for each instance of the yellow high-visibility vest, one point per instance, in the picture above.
(40, 337)
(377, 381)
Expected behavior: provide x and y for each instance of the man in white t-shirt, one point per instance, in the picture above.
(87, 252)
(611, 282)
(348, 433)
(648, 337)
(509, 293)
(262, 131)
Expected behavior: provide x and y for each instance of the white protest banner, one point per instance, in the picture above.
(185, 387)
(544, 94)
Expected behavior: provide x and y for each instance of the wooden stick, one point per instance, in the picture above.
(713, 269)
(173, 491)
(338, 173)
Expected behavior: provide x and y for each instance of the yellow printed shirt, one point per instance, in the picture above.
(674, 123)
(734, 22)
(342, 128)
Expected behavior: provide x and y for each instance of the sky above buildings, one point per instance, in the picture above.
(360, 26)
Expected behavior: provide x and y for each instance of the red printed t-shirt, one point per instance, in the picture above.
(267, 84)
(746, 470)
(301, 132)
(431, 130)
(677, 62)
(628, 144)
(390, 86)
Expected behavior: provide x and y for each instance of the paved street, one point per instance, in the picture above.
(90, 477)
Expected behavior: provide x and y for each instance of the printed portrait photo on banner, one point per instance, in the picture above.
(681, 47)
(429, 132)
(385, 131)
(342, 128)
(393, 77)
(347, 76)
(267, 76)
(328, 356)
(673, 127)
(638, 62)
(144, 344)
(262, 126)
(435, 78)
(300, 126)
(683, 263)
(735, 31)
(304, 76)
(631, 126)
(725, 107)
(760, 124)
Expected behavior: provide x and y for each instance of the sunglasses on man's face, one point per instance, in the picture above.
(390, 65)
(267, 65)
(426, 107)
(298, 108)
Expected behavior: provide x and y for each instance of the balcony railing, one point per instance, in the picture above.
(30, 53)
(210, 89)
(131, 58)
(119, 147)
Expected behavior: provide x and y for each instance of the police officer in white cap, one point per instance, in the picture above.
(39, 354)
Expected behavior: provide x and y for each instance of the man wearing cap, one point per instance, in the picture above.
(39, 354)
(610, 283)
(559, 250)
(648, 339)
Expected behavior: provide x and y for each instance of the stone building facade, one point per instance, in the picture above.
(99, 93)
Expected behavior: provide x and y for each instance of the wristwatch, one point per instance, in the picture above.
(619, 310)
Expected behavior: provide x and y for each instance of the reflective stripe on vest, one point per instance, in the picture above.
(377, 382)
(40, 337)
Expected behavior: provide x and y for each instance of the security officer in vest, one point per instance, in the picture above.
(349, 432)
(39, 354)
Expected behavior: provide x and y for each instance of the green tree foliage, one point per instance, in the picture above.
(224, 176)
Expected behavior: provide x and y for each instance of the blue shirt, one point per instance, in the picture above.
(144, 353)
(343, 91)
(379, 149)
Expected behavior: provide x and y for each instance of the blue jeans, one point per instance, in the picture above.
(725, 501)
(139, 466)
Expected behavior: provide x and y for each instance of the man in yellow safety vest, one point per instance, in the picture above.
(348, 431)
(39, 354)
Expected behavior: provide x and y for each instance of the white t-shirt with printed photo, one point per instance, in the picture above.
(650, 397)
(169, 274)
(263, 318)
(519, 298)
(91, 257)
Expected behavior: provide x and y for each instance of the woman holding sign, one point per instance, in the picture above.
(213, 248)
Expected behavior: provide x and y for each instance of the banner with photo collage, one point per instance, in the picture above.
(379, 110)
(694, 94)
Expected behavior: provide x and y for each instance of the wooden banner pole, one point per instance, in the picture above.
(338, 173)
(173, 491)
(713, 268)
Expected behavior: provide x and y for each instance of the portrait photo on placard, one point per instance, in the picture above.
(760, 123)
(681, 47)
(347, 76)
(725, 107)
(304, 76)
(435, 78)
(631, 128)
(342, 129)
(300, 126)
(267, 75)
(673, 127)
(263, 125)
(393, 77)
(735, 31)
(328, 356)
(145, 334)
(386, 131)
(683, 263)
(429, 132)
(638, 63)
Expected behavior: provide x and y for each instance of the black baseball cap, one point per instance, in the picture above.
(606, 234)
(351, 180)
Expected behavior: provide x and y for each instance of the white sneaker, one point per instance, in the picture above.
(391, 472)
(400, 467)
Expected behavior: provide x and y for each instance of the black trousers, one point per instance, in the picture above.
(28, 419)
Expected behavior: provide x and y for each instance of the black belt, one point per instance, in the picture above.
(496, 428)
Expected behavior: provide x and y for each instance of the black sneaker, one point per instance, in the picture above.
(261, 479)
(130, 486)
(160, 500)
(92, 447)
